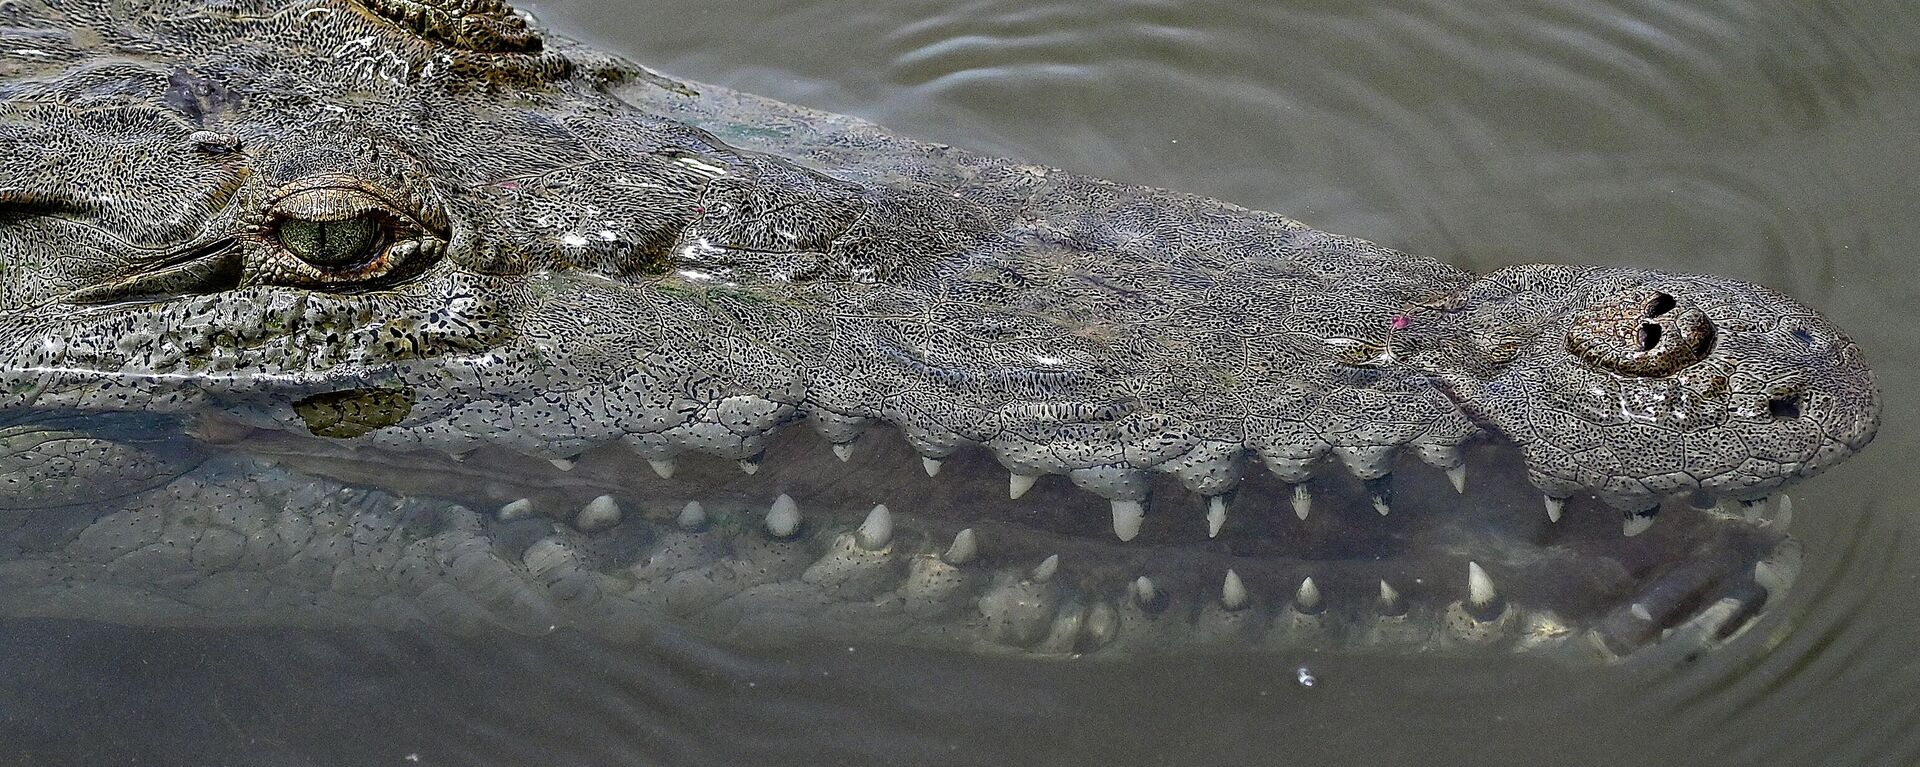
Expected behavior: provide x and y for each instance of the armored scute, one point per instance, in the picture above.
(403, 313)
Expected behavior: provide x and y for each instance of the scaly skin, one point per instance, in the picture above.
(357, 239)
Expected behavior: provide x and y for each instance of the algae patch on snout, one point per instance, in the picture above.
(353, 412)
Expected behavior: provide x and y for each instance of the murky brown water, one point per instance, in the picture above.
(1774, 142)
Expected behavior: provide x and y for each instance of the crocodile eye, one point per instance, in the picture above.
(336, 231)
(331, 244)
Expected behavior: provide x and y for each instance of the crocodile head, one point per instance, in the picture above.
(465, 325)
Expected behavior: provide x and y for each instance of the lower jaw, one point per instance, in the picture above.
(496, 541)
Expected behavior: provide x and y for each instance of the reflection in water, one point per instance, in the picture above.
(1761, 142)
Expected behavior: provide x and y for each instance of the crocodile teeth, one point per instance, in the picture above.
(1143, 591)
(1390, 601)
(783, 518)
(1127, 518)
(1480, 592)
(599, 514)
(1446, 458)
(931, 465)
(1233, 593)
(693, 517)
(563, 464)
(1637, 522)
(1307, 597)
(1380, 490)
(520, 509)
(877, 531)
(1555, 507)
(662, 466)
(1775, 510)
(1216, 515)
(1019, 484)
(965, 543)
(1302, 501)
(750, 465)
(843, 451)
(1044, 571)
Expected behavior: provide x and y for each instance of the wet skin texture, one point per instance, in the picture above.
(403, 313)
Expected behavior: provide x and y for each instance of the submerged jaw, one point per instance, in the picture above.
(805, 548)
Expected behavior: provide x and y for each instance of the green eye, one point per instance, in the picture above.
(331, 244)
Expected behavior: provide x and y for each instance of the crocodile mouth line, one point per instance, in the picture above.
(865, 543)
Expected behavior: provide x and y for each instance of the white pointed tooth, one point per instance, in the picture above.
(1019, 484)
(1458, 476)
(599, 514)
(1380, 489)
(1143, 591)
(1480, 592)
(1555, 507)
(1637, 522)
(520, 509)
(1127, 518)
(1216, 515)
(1307, 597)
(750, 465)
(843, 451)
(563, 464)
(1302, 501)
(693, 517)
(1233, 593)
(1389, 599)
(662, 466)
(965, 545)
(1783, 513)
(877, 531)
(1044, 571)
(783, 517)
(931, 465)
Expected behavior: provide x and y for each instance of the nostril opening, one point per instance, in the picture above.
(1648, 335)
(1803, 336)
(1784, 407)
(1661, 304)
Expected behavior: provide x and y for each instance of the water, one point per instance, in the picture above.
(1771, 142)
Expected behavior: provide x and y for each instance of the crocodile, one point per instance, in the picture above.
(409, 314)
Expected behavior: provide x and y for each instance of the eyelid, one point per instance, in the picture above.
(335, 197)
(328, 205)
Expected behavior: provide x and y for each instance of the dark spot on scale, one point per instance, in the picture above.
(353, 412)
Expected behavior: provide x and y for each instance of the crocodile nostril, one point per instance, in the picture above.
(1784, 407)
(1619, 333)
(1648, 336)
(1660, 304)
